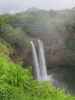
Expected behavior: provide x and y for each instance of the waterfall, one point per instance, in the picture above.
(42, 62)
(35, 67)
(39, 67)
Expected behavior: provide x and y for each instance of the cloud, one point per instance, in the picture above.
(20, 5)
(54, 4)
(11, 5)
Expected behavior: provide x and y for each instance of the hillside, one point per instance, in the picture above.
(53, 27)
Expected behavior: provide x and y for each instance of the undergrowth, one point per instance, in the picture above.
(16, 83)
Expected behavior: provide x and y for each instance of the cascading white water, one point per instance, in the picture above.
(36, 70)
(42, 62)
(39, 68)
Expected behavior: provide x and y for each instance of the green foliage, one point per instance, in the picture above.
(13, 80)
(16, 83)
(4, 48)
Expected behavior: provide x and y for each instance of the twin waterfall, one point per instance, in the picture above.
(39, 63)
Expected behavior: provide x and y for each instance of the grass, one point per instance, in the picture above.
(16, 83)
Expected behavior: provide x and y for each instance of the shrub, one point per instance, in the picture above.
(16, 83)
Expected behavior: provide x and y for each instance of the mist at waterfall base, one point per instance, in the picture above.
(63, 77)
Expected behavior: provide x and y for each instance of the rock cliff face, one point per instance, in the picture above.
(56, 54)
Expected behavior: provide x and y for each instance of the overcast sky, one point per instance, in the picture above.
(21, 5)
